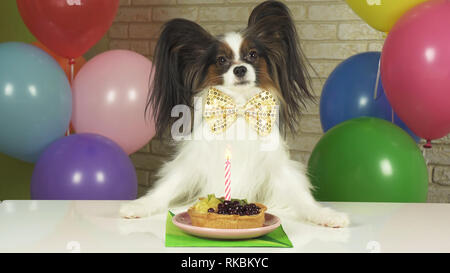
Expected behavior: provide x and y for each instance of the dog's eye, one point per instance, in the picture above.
(252, 55)
(221, 60)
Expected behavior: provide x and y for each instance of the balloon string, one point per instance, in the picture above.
(375, 92)
(377, 81)
(72, 69)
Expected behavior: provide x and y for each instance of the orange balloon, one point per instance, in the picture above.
(63, 62)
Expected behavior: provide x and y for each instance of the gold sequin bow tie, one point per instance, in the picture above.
(221, 111)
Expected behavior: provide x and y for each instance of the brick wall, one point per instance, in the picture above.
(330, 32)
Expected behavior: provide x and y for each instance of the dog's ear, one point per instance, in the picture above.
(272, 27)
(179, 67)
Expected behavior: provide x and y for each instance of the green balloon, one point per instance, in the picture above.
(368, 160)
(100, 47)
(12, 27)
(15, 178)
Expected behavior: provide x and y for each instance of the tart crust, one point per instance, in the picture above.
(215, 220)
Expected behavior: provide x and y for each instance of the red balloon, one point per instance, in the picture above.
(63, 62)
(68, 27)
(415, 69)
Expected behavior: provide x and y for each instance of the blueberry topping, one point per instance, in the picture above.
(236, 208)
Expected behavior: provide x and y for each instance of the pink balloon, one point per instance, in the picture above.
(415, 69)
(109, 98)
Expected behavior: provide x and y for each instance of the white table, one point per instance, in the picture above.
(94, 226)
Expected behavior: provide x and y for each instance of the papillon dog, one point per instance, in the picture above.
(250, 87)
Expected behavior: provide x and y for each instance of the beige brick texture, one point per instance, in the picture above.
(329, 32)
(131, 14)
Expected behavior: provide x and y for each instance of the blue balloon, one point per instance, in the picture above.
(35, 101)
(349, 93)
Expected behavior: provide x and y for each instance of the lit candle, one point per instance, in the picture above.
(228, 174)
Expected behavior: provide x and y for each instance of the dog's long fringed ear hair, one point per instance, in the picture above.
(179, 67)
(271, 26)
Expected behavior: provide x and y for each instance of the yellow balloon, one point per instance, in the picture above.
(382, 14)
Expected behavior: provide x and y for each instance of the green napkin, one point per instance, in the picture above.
(175, 237)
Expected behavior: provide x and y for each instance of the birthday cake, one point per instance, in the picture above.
(215, 212)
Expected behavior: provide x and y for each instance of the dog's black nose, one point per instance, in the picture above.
(239, 71)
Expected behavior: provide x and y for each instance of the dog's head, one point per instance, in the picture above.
(266, 54)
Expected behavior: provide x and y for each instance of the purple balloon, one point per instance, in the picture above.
(84, 167)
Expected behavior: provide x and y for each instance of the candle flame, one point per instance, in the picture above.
(228, 152)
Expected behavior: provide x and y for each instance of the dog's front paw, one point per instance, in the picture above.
(330, 218)
(134, 209)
